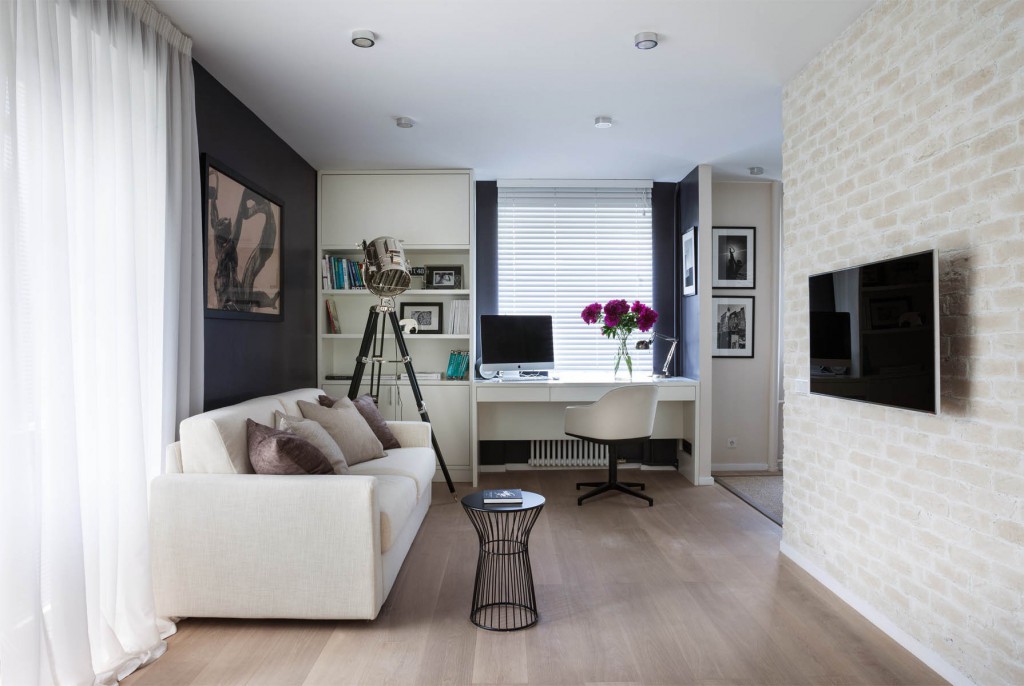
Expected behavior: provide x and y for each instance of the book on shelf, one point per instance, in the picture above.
(422, 375)
(338, 377)
(333, 321)
(458, 324)
(503, 496)
(341, 274)
(458, 364)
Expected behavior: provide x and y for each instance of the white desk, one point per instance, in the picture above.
(534, 410)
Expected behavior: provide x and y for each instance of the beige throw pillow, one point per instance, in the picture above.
(279, 452)
(373, 417)
(315, 434)
(348, 429)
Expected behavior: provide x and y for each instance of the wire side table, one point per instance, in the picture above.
(503, 593)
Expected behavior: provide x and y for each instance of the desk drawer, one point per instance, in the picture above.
(511, 393)
(580, 394)
(677, 393)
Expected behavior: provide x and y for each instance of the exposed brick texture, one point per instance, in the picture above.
(907, 134)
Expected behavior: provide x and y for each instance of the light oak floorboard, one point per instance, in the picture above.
(691, 591)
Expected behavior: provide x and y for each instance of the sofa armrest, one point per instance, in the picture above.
(247, 545)
(411, 434)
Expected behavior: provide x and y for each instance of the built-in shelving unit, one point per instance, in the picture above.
(433, 213)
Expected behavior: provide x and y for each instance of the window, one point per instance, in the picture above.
(563, 247)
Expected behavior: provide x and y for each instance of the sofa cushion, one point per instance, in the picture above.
(347, 427)
(315, 434)
(413, 463)
(371, 413)
(396, 496)
(273, 451)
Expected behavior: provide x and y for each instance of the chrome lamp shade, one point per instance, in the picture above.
(385, 267)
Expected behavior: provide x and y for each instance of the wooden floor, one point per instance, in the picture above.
(691, 591)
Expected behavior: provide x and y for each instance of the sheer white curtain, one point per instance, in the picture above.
(100, 325)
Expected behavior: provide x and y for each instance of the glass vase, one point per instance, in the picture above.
(623, 360)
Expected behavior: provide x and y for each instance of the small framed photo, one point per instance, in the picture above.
(443, 276)
(241, 247)
(689, 263)
(886, 312)
(429, 317)
(734, 326)
(734, 258)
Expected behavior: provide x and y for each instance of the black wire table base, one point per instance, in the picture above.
(503, 594)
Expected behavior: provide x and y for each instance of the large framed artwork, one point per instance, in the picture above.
(689, 263)
(734, 326)
(241, 247)
(734, 256)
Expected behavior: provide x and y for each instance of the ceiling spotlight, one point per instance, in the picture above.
(364, 38)
(603, 122)
(404, 122)
(756, 171)
(645, 40)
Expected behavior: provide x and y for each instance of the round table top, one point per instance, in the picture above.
(475, 501)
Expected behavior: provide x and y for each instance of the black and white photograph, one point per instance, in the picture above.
(734, 258)
(243, 247)
(429, 317)
(441, 277)
(734, 326)
(689, 261)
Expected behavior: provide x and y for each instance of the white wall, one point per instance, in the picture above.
(907, 134)
(743, 388)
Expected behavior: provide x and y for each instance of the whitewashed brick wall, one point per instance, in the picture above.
(907, 134)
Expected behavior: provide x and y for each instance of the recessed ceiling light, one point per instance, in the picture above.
(645, 40)
(756, 171)
(364, 38)
(404, 123)
(603, 122)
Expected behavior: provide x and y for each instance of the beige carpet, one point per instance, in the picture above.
(763, 493)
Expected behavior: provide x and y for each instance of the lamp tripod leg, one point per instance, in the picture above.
(420, 405)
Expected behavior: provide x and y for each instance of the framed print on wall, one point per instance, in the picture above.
(734, 257)
(734, 326)
(429, 317)
(242, 226)
(689, 263)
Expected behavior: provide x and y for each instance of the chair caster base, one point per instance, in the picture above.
(619, 486)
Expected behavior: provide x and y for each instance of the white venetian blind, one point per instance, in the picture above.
(563, 247)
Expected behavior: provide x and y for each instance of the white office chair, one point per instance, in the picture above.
(622, 415)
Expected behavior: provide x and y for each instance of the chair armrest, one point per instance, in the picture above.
(248, 545)
(411, 434)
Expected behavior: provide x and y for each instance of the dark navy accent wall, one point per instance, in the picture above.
(245, 359)
(689, 310)
(664, 270)
(486, 252)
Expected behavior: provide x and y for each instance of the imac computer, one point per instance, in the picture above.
(516, 343)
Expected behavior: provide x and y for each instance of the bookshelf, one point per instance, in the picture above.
(433, 213)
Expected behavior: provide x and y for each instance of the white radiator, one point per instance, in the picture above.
(567, 453)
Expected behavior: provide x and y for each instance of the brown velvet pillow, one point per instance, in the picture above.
(368, 409)
(279, 452)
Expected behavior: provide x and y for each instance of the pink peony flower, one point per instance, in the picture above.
(591, 313)
(646, 318)
(611, 320)
(616, 308)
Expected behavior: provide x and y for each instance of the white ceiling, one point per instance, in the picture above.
(510, 88)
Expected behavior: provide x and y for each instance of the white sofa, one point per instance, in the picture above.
(230, 543)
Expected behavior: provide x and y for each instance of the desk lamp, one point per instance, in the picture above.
(646, 343)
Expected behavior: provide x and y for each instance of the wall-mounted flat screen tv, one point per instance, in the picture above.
(874, 332)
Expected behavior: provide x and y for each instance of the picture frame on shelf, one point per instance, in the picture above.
(688, 268)
(735, 256)
(733, 326)
(242, 237)
(429, 317)
(442, 277)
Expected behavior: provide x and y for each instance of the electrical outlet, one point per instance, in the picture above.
(732, 442)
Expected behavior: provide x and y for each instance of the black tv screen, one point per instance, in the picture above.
(874, 333)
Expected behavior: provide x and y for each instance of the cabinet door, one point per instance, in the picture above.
(448, 407)
(420, 209)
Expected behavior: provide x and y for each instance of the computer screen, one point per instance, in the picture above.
(516, 342)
